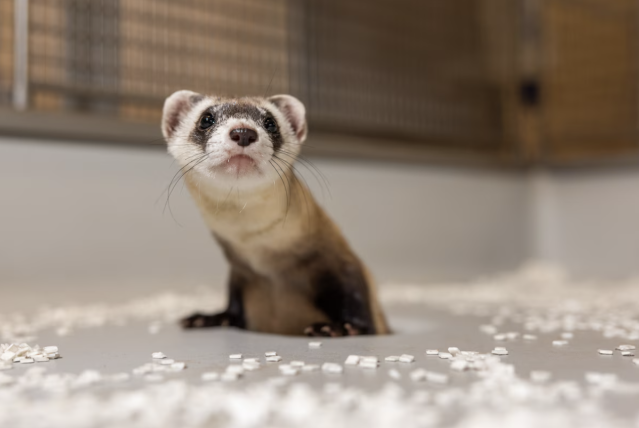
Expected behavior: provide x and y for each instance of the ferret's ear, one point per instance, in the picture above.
(175, 108)
(294, 111)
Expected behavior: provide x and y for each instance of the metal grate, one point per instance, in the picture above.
(403, 69)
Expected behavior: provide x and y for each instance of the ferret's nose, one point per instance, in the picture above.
(243, 136)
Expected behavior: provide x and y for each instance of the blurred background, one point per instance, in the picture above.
(457, 138)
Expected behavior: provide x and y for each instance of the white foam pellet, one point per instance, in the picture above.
(567, 335)
(235, 356)
(369, 359)
(50, 349)
(628, 353)
(500, 337)
(210, 376)
(251, 365)
(395, 374)
(251, 360)
(501, 351)
(40, 359)
(605, 352)
(626, 348)
(229, 377)
(167, 361)
(26, 361)
(158, 355)
(540, 376)
(436, 377)
(8, 356)
(636, 361)
(445, 355)
(273, 359)
(488, 329)
(453, 350)
(119, 377)
(529, 337)
(332, 368)
(418, 375)
(234, 368)
(368, 364)
(405, 358)
(297, 364)
(154, 377)
(290, 371)
(270, 354)
(352, 360)
(459, 365)
(432, 352)
(512, 335)
(469, 353)
(314, 345)
(284, 366)
(311, 368)
(559, 342)
(392, 359)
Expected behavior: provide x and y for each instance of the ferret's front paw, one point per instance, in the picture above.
(202, 320)
(335, 329)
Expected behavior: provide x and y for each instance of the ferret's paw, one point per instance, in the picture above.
(335, 329)
(202, 320)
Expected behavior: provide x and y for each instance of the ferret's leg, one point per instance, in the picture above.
(233, 316)
(344, 298)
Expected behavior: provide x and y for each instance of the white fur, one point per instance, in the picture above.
(211, 163)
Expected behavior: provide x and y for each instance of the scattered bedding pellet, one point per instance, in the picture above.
(445, 355)
(436, 377)
(500, 337)
(251, 365)
(529, 337)
(270, 354)
(167, 361)
(154, 377)
(229, 377)
(540, 376)
(488, 329)
(395, 374)
(368, 364)
(332, 368)
(432, 352)
(512, 335)
(210, 376)
(314, 345)
(628, 353)
(567, 335)
(235, 356)
(311, 368)
(459, 365)
(405, 358)
(352, 360)
(559, 342)
(234, 368)
(626, 348)
(274, 359)
(290, 371)
(453, 350)
(158, 355)
(418, 375)
(297, 363)
(605, 352)
(500, 351)
(636, 361)
(178, 366)
(392, 359)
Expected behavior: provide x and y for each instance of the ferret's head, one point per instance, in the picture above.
(246, 142)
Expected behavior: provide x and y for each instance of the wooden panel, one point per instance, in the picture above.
(589, 79)
(6, 50)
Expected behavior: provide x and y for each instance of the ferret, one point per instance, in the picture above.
(291, 270)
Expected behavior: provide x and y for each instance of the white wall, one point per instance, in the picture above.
(587, 220)
(83, 222)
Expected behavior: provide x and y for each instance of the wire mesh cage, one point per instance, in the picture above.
(523, 79)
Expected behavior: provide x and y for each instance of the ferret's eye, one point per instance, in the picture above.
(207, 121)
(270, 125)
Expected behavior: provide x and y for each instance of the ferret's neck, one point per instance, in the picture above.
(245, 215)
